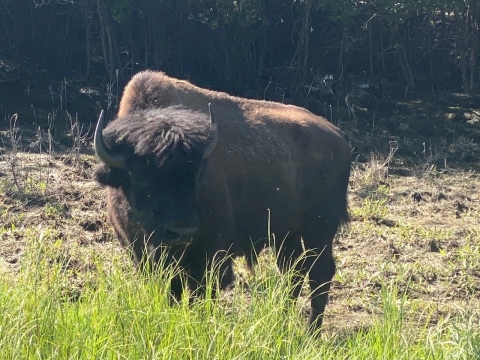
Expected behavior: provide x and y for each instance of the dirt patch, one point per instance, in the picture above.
(52, 198)
(431, 251)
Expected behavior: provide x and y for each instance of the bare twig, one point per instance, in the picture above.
(15, 141)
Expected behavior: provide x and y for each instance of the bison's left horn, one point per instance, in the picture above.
(214, 140)
(210, 110)
(115, 161)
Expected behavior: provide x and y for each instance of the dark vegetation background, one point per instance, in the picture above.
(353, 61)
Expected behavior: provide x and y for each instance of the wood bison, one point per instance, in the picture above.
(200, 184)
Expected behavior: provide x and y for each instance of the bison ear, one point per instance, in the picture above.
(108, 176)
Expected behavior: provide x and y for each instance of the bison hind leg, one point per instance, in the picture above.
(309, 251)
(318, 237)
(320, 276)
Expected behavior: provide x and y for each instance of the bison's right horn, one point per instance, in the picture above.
(115, 161)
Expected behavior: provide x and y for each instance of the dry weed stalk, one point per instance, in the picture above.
(464, 147)
(15, 139)
(78, 136)
(51, 126)
(370, 174)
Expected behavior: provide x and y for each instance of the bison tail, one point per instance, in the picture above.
(343, 184)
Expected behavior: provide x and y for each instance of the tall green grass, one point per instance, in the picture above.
(122, 315)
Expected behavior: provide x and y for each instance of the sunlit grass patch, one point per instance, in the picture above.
(123, 312)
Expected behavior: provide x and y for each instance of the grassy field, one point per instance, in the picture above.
(407, 283)
(120, 316)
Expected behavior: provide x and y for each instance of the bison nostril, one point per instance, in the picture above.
(174, 234)
(171, 236)
(183, 231)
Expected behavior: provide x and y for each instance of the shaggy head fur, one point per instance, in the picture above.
(164, 136)
(164, 154)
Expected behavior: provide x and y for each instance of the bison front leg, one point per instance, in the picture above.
(209, 271)
(288, 258)
(176, 288)
(208, 284)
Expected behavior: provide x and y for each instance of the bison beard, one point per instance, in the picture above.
(198, 185)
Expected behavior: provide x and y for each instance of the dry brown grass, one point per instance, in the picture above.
(57, 203)
(419, 231)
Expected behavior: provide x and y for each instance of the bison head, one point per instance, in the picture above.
(155, 160)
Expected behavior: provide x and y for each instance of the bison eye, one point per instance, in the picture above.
(157, 212)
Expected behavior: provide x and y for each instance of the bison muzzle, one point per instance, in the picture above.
(198, 182)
